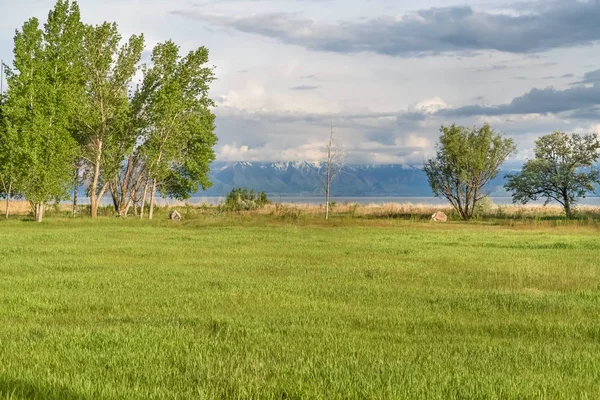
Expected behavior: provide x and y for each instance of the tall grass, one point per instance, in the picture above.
(503, 214)
(266, 307)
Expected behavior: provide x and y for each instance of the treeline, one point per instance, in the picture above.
(562, 170)
(82, 109)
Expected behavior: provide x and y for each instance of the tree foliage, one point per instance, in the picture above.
(72, 106)
(6, 159)
(104, 129)
(43, 90)
(466, 160)
(178, 125)
(562, 170)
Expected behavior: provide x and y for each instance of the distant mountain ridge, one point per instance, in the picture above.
(302, 178)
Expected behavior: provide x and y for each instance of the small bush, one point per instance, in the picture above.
(288, 213)
(242, 200)
(483, 207)
(352, 208)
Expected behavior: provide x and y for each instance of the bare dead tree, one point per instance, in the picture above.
(336, 157)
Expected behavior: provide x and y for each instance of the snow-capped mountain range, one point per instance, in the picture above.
(302, 178)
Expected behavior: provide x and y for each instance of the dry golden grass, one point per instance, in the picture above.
(15, 207)
(354, 210)
(380, 210)
(23, 207)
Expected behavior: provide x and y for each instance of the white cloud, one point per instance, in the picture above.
(428, 106)
(417, 142)
(384, 107)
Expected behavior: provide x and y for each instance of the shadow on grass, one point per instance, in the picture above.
(13, 388)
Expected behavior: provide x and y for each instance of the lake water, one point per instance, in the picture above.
(213, 200)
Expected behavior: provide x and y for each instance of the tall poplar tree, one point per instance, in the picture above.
(178, 129)
(45, 86)
(8, 166)
(104, 115)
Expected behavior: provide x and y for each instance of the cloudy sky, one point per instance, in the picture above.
(386, 73)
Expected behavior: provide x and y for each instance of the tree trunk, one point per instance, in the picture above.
(8, 193)
(152, 195)
(115, 198)
(327, 203)
(144, 200)
(94, 205)
(75, 191)
(134, 199)
(94, 200)
(39, 212)
(328, 181)
(123, 191)
(568, 211)
(124, 210)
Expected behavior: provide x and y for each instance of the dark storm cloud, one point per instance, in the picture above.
(590, 77)
(547, 78)
(555, 24)
(536, 101)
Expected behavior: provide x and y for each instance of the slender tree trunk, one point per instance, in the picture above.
(116, 199)
(75, 191)
(152, 196)
(568, 211)
(125, 210)
(8, 193)
(39, 212)
(144, 199)
(475, 201)
(327, 203)
(134, 200)
(123, 189)
(328, 182)
(94, 200)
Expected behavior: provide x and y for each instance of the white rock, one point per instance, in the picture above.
(439, 217)
(175, 216)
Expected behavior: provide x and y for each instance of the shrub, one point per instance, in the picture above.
(242, 200)
(483, 207)
(287, 213)
(352, 208)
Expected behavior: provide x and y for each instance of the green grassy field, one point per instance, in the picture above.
(260, 308)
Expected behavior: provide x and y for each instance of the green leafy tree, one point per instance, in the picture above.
(466, 160)
(562, 170)
(44, 88)
(104, 113)
(8, 167)
(178, 129)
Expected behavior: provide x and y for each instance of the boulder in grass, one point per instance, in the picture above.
(175, 216)
(439, 217)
